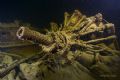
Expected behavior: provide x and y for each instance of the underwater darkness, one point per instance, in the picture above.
(40, 12)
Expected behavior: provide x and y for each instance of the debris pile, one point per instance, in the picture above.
(80, 49)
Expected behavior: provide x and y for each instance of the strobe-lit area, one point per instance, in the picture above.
(59, 40)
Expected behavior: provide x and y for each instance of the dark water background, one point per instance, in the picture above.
(40, 12)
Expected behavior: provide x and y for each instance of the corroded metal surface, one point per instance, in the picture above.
(82, 47)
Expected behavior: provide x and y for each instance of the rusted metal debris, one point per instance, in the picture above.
(87, 40)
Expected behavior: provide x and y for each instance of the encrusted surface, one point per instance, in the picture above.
(83, 48)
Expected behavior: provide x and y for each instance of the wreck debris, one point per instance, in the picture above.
(79, 39)
(101, 39)
(24, 33)
(7, 61)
